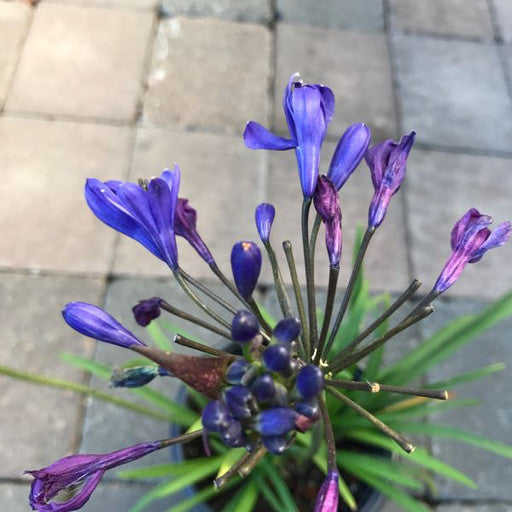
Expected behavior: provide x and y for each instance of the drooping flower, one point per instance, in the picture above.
(146, 311)
(470, 239)
(348, 154)
(327, 499)
(51, 483)
(308, 110)
(246, 267)
(148, 216)
(264, 216)
(387, 162)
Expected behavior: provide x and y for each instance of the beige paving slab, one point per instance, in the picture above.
(441, 188)
(14, 21)
(39, 425)
(45, 222)
(355, 65)
(466, 18)
(208, 74)
(222, 179)
(386, 260)
(82, 61)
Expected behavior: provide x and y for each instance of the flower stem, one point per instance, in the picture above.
(222, 480)
(329, 436)
(430, 297)
(401, 441)
(185, 438)
(256, 455)
(350, 287)
(186, 342)
(218, 272)
(282, 296)
(306, 345)
(256, 310)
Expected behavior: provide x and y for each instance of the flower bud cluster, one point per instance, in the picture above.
(268, 395)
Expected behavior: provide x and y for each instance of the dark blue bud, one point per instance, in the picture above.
(133, 377)
(309, 408)
(276, 358)
(146, 311)
(263, 388)
(244, 326)
(310, 381)
(246, 267)
(237, 370)
(281, 396)
(276, 445)
(216, 417)
(287, 330)
(264, 217)
(240, 401)
(234, 436)
(276, 421)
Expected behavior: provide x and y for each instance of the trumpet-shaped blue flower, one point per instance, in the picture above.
(308, 110)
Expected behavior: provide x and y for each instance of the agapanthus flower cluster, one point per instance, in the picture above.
(275, 391)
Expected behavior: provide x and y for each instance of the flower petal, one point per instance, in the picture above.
(257, 136)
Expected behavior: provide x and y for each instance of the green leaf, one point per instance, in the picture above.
(232, 456)
(268, 493)
(374, 361)
(157, 334)
(358, 285)
(170, 469)
(267, 316)
(279, 485)
(174, 329)
(200, 497)
(247, 497)
(419, 456)
(470, 376)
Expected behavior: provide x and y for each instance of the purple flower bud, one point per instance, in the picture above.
(244, 326)
(146, 311)
(327, 499)
(470, 239)
(387, 162)
(215, 416)
(281, 397)
(60, 480)
(246, 267)
(276, 445)
(263, 388)
(96, 323)
(264, 216)
(276, 421)
(349, 152)
(237, 369)
(310, 381)
(234, 436)
(239, 400)
(135, 377)
(287, 330)
(276, 358)
(308, 408)
(185, 226)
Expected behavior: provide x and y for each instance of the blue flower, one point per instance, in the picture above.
(246, 267)
(264, 216)
(308, 110)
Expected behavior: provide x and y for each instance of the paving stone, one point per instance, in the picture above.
(386, 261)
(441, 187)
(116, 4)
(224, 182)
(360, 95)
(14, 497)
(491, 507)
(457, 80)
(343, 14)
(466, 18)
(257, 11)
(490, 419)
(197, 80)
(77, 74)
(14, 20)
(39, 425)
(503, 9)
(44, 165)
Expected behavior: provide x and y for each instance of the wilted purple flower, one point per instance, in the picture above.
(308, 110)
(145, 215)
(146, 311)
(348, 154)
(246, 267)
(264, 216)
(97, 323)
(327, 499)
(387, 162)
(185, 226)
(470, 239)
(51, 483)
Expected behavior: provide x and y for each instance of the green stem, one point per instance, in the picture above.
(329, 304)
(218, 272)
(266, 326)
(186, 342)
(282, 296)
(329, 435)
(185, 438)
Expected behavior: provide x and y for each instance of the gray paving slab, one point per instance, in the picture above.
(490, 419)
(341, 14)
(460, 18)
(223, 180)
(361, 96)
(199, 81)
(115, 4)
(44, 167)
(453, 93)
(441, 187)
(386, 261)
(14, 497)
(471, 507)
(80, 75)
(39, 425)
(503, 10)
(14, 21)
(256, 11)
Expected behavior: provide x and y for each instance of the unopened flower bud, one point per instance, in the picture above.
(246, 267)
(263, 388)
(237, 370)
(276, 445)
(244, 326)
(276, 358)
(287, 330)
(215, 416)
(276, 421)
(264, 217)
(310, 381)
